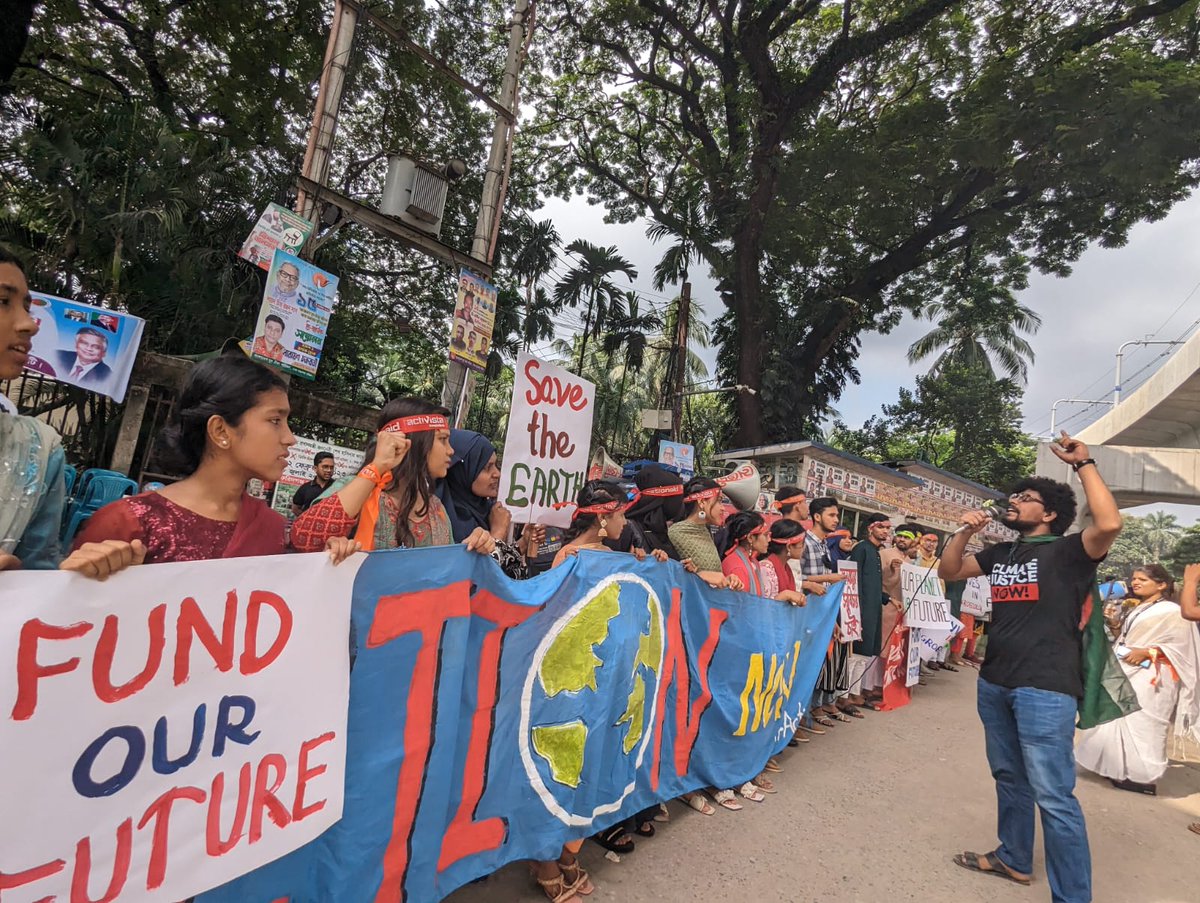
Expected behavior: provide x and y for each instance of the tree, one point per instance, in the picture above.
(532, 259)
(977, 328)
(1131, 549)
(1185, 551)
(628, 333)
(962, 419)
(845, 154)
(590, 280)
(1162, 530)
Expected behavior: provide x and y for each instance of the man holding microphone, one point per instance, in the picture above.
(1032, 679)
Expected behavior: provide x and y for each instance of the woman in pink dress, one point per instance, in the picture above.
(229, 425)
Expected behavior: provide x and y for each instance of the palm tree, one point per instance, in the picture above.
(1162, 530)
(629, 330)
(691, 244)
(533, 259)
(977, 326)
(590, 279)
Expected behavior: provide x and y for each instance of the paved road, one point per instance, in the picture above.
(872, 811)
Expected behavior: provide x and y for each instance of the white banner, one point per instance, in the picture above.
(299, 470)
(913, 673)
(977, 597)
(924, 602)
(549, 435)
(171, 728)
(850, 621)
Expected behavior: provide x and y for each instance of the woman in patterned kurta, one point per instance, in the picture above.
(391, 502)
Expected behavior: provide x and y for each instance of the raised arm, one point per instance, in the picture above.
(1100, 534)
(1189, 600)
(955, 565)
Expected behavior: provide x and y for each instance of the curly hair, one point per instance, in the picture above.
(1057, 498)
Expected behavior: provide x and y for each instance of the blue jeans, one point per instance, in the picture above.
(1030, 747)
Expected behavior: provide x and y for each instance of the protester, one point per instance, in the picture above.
(866, 666)
(817, 567)
(228, 426)
(792, 504)
(751, 540)
(1032, 680)
(702, 508)
(322, 478)
(659, 504)
(927, 559)
(391, 502)
(32, 488)
(468, 493)
(1160, 654)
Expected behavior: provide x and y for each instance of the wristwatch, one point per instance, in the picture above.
(1083, 463)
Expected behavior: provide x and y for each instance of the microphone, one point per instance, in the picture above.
(995, 510)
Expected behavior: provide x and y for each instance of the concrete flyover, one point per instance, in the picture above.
(1148, 446)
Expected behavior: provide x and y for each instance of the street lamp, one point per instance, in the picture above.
(1121, 357)
(1054, 408)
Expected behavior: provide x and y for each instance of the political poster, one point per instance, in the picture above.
(294, 318)
(977, 597)
(546, 449)
(679, 457)
(299, 470)
(171, 728)
(925, 604)
(492, 720)
(474, 319)
(278, 229)
(91, 347)
(850, 621)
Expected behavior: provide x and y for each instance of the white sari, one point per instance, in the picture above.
(1134, 748)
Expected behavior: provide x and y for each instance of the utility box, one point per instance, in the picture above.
(656, 419)
(414, 193)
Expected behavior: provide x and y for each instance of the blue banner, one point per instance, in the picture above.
(491, 720)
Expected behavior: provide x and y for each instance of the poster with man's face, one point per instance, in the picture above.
(277, 229)
(473, 321)
(91, 347)
(294, 317)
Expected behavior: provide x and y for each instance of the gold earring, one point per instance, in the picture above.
(603, 530)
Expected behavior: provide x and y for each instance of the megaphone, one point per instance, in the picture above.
(742, 486)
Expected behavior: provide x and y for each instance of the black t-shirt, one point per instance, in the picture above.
(307, 494)
(1038, 591)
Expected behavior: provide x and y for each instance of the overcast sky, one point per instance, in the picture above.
(1148, 289)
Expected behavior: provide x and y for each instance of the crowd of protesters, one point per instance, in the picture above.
(423, 484)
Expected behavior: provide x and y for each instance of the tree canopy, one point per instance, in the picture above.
(850, 161)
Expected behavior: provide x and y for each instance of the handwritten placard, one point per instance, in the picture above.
(170, 728)
(925, 603)
(977, 597)
(850, 621)
(549, 436)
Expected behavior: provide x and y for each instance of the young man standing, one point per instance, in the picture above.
(311, 491)
(817, 567)
(1032, 680)
(866, 666)
(792, 504)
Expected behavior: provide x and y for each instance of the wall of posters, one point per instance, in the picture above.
(91, 347)
(299, 470)
(294, 318)
(474, 317)
(277, 229)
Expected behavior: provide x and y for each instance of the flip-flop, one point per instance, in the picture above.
(970, 861)
(947, 668)
(773, 766)
(853, 712)
(843, 717)
(823, 721)
(663, 814)
(797, 739)
(610, 838)
(645, 829)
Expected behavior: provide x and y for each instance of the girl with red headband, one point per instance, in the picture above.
(691, 536)
(391, 502)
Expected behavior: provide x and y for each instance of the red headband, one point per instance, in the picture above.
(417, 423)
(795, 499)
(600, 508)
(703, 494)
(759, 530)
(799, 537)
(662, 491)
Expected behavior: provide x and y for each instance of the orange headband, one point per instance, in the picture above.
(799, 537)
(703, 494)
(794, 500)
(417, 423)
(601, 508)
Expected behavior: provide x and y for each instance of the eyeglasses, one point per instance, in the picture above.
(287, 277)
(1023, 497)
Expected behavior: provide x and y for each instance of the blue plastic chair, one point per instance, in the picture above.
(69, 475)
(90, 474)
(102, 488)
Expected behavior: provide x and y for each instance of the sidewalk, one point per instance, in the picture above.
(873, 810)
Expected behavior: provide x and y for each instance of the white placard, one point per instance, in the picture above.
(924, 602)
(549, 437)
(913, 673)
(128, 707)
(850, 620)
(977, 597)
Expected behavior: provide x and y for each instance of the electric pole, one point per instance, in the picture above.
(680, 370)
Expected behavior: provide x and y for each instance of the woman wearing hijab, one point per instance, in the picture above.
(659, 504)
(468, 494)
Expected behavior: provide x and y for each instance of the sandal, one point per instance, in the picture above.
(842, 716)
(645, 829)
(1194, 827)
(610, 839)
(971, 862)
(557, 889)
(699, 803)
(772, 766)
(751, 792)
(823, 721)
(798, 738)
(853, 712)
(579, 880)
(946, 667)
(763, 783)
(726, 799)
(663, 814)
(875, 705)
